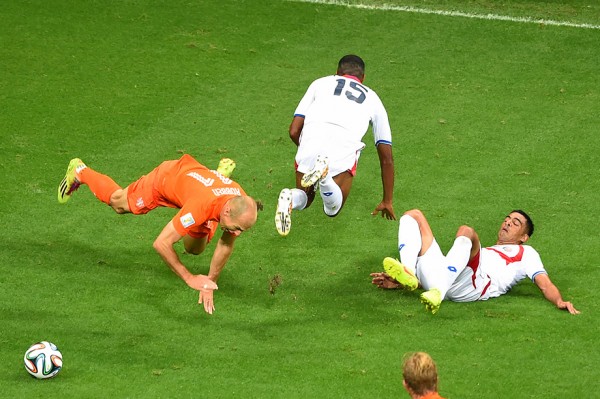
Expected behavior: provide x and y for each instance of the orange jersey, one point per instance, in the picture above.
(432, 395)
(197, 191)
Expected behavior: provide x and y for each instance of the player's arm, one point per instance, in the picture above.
(164, 246)
(296, 129)
(222, 253)
(552, 294)
(386, 162)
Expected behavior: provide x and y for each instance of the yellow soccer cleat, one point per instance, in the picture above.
(226, 167)
(283, 216)
(317, 173)
(432, 300)
(400, 273)
(70, 183)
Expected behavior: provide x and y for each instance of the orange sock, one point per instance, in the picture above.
(101, 185)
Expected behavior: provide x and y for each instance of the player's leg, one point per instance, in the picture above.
(430, 268)
(417, 245)
(414, 237)
(465, 246)
(195, 246)
(102, 186)
(118, 201)
(440, 279)
(333, 189)
(334, 192)
(303, 197)
(297, 199)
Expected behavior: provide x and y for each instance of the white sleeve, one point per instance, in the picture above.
(533, 263)
(307, 100)
(382, 133)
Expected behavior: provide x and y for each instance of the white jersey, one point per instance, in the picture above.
(491, 273)
(337, 111)
(506, 265)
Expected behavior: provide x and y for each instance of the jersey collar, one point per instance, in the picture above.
(352, 77)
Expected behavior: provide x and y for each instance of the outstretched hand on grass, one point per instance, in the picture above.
(206, 298)
(386, 209)
(567, 306)
(206, 287)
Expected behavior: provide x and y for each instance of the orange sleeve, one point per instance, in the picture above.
(208, 229)
(192, 215)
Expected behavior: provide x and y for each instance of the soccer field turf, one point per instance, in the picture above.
(488, 115)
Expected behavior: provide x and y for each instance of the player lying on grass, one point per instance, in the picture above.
(468, 272)
(206, 200)
(328, 126)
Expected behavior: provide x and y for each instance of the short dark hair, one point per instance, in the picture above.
(529, 222)
(351, 65)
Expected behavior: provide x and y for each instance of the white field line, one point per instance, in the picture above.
(417, 10)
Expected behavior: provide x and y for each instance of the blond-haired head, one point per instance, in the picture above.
(419, 373)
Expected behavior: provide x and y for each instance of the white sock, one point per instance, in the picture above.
(299, 199)
(331, 194)
(409, 241)
(456, 261)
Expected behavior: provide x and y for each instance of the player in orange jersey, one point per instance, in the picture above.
(420, 378)
(205, 198)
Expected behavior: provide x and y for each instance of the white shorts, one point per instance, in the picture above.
(428, 266)
(343, 155)
(470, 285)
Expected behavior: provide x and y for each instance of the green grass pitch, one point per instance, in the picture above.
(487, 116)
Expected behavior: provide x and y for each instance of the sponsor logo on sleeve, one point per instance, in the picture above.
(187, 220)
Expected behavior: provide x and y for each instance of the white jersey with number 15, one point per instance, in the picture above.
(337, 110)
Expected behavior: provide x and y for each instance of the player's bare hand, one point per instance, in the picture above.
(206, 287)
(382, 280)
(386, 209)
(206, 298)
(568, 306)
(200, 281)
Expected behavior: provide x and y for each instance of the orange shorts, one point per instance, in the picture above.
(144, 195)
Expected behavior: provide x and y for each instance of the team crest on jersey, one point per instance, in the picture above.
(187, 220)
(140, 202)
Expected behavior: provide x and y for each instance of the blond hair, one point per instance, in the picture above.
(420, 373)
